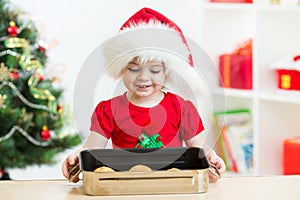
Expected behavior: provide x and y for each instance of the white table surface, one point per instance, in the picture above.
(242, 188)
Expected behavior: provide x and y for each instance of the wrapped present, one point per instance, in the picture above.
(232, 1)
(288, 72)
(236, 68)
(291, 158)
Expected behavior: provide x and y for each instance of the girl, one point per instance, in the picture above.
(145, 108)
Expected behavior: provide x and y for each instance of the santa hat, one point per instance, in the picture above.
(150, 34)
(148, 18)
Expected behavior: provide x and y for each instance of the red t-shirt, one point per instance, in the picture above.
(174, 118)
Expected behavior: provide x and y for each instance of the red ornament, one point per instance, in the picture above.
(42, 78)
(59, 108)
(1, 173)
(14, 74)
(39, 76)
(12, 30)
(43, 46)
(45, 134)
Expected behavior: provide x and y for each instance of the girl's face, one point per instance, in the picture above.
(144, 80)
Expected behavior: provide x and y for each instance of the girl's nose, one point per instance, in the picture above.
(143, 75)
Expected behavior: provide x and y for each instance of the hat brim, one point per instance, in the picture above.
(167, 44)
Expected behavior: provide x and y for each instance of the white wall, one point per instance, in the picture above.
(82, 25)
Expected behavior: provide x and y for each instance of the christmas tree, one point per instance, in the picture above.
(31, 113)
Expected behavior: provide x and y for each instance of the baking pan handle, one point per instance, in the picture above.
(214, 171)
(74, 173)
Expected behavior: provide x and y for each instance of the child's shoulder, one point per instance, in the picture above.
(173, 96)
(177, 100)
(108, 102)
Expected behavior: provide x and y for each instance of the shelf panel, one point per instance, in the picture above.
(278, 8)
(235, 92)
(250, 6)
(228, 6)
(282, 97)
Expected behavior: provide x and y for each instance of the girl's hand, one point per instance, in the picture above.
(213, 158)
(218, 163)
(70, 162)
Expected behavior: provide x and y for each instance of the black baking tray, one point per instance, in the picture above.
(156, 159)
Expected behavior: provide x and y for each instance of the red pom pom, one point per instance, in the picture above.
(159, 138)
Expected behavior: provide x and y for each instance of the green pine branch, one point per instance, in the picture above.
(18, 151)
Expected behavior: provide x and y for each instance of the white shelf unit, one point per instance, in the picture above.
(275, 32)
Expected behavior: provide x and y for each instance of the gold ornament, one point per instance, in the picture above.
(12, 23)
(4, 72)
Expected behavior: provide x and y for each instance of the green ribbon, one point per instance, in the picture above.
(28, 64)
(145, 141)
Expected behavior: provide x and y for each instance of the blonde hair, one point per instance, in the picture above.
(116, 67)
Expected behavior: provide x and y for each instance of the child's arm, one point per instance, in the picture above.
(95, 140)
(198, 141)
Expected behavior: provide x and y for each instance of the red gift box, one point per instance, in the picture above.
(288, 73)
(288, 79)
(236, 71)
(291, 156)
(236, 68)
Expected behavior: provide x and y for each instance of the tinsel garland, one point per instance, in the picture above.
(10, 52)
(25, 101)
(25, 134)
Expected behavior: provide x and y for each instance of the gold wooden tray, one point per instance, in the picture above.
(154, 182)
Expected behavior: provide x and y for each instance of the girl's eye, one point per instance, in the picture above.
(133, 69)
(155, 71)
